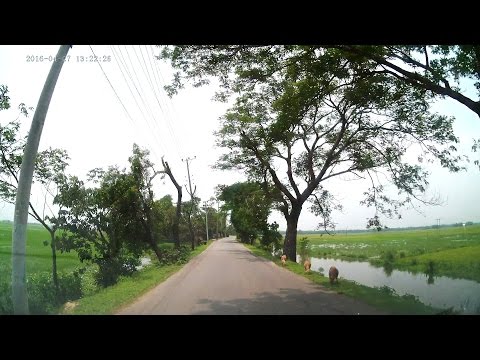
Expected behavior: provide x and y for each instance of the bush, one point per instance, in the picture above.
(69, 287)
(6, 306)
(271, 237)
(41, 294)
(389, 256)
(303, 246)
(88, 282)
(175, 256)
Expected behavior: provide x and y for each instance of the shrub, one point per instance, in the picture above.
(270, 236)
(303, 246)
(41, 294)
(6, 306)
(389, 256)
(175, 256)
(70, 287)
(88, 282)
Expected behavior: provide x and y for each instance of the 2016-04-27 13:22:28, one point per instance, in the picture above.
(78, 58)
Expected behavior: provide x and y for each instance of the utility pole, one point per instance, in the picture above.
(438, 223)
(188, 172)
(218, 218)
(22, 200)
(192, 199)
(205, 206)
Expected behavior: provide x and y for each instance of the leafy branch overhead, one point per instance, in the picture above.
(304, 115)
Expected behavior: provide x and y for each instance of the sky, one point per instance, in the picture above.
(97, 129)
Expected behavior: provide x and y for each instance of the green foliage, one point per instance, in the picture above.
(322, 112)
(250, 208)
(303, 245)
(118, 217)
(271, 237)
(109, 270)
(42, 297)
(164, 214)
(110, 299)
(453, 250)
(174, 256)
(88, 282)
(389, 256)
(383, 299)
(4, 98)
(6, 306)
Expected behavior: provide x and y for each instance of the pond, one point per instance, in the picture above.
(438, 291)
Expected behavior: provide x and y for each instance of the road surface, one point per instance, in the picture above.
(227, 279)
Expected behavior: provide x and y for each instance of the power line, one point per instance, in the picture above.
(144, 98)
(119, 63)
(159, 74)
(157, 82)
(118, 97)
(165, 118)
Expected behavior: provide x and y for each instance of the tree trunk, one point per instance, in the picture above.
(290, 244)
(53, 245)
(155, 248)
(176, 222)
(190, 228)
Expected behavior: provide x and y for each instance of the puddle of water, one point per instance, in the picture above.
(438, 291)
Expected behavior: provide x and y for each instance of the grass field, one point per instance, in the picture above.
(451, 251)
(39, 256)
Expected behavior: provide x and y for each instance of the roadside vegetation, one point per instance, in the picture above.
(383, 298)
(82, 284)
(445, 251)
(112, 299)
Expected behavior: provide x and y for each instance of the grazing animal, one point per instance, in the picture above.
(333, 274)
(307, 265)
(284, 259)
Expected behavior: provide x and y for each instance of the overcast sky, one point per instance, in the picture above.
(87, 119)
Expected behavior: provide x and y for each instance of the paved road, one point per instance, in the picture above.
(227, 279)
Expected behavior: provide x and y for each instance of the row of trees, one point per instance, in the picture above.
(306, 114)
(111, 218)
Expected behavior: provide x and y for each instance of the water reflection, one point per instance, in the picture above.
(388, 268)
(438, 291)
(430, 272)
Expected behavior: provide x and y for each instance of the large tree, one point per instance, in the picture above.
(115, 218)
(433, 68)
(304, 115)
(437, 68)
(178, 212)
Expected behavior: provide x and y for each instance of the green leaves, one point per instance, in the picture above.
(250, 209)
(4, 98)
(304, 114)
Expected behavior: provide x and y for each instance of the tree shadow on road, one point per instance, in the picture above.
(240, 254)
(286, 302)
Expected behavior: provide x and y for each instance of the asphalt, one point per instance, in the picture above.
(226, 279)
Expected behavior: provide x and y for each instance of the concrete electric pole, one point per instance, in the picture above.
(20, 219)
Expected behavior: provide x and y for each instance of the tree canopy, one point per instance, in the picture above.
(306, 114)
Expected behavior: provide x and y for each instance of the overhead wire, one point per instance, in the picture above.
(146, 71)
(120, 60)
